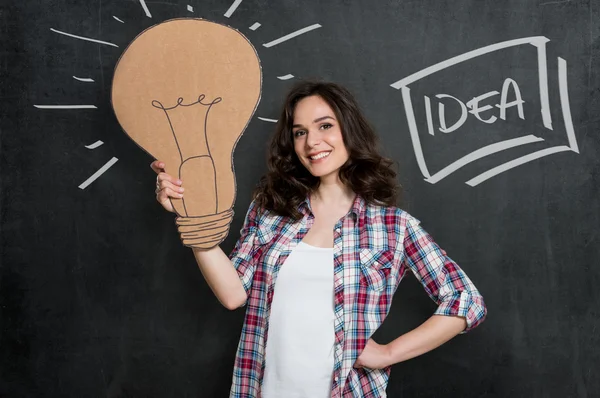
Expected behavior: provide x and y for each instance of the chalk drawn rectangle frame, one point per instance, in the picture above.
(540, 43)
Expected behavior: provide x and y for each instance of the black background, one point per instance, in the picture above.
(99, 297)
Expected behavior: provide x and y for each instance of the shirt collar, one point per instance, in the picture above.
(304, 206)
(358, 207)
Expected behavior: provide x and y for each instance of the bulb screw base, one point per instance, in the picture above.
(204, 232)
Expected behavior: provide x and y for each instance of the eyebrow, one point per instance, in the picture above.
(317, 120)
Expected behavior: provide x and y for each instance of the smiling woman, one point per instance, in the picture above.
(322, 133)
(99, 296)
(318, 140)
(321, 253)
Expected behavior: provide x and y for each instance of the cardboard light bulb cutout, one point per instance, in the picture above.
(184, 90)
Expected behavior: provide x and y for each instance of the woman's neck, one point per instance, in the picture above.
(333, 193)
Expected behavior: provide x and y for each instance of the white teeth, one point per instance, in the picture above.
(320, 156)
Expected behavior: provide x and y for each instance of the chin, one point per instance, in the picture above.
(324, 173)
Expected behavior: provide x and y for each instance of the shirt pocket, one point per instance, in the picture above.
(375, 265)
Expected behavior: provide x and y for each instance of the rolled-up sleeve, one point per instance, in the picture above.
(243, 254)
(444, 281)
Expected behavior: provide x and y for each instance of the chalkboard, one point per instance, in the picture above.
(490, 109)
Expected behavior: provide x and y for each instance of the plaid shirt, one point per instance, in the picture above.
(374, 246)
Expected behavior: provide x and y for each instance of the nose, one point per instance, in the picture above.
(313, 138)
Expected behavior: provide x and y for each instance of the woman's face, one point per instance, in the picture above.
(318, 138)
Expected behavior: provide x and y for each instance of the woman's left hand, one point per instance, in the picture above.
(374, 356)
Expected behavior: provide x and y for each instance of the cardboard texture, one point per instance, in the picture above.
(184, 90)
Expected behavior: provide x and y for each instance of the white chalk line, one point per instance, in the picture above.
(564, 104)
(286, 77)
(555, 2)
(543, 84)
(145, 7)
(118, 19)
(232, 8)
(255, 26)
(515, 163)
(264, 119)
(535, 40)
(428, 115)
(65, 106)
(95, 145)
(414, 132)
(83, 38)
(441, 112)
(481, 153)
(84, 79)
(190, 8)
(97, 174)
(292, 35)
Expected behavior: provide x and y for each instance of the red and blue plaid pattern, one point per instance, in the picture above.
(374, 246)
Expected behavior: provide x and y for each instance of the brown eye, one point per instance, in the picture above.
(326, 126)
(298, 133)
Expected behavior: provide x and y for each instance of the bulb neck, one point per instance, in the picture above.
(204, 232)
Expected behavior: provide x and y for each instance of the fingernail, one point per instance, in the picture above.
(181, 189)
(181, 195)
(179, 182)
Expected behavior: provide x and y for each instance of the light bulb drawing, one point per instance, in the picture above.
(194, 156)
(146, 11)
(184, 90)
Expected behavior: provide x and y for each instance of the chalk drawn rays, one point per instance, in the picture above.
(98, 173)
(83, 38)
(292, 35)
(279, 41)
(264, 119)
(145, 7)
(84, 79)
(66, 106)
(233, 7)
(95, 145)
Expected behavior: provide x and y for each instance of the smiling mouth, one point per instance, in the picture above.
(319, 156)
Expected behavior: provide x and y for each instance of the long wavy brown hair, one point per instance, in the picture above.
(366, 172)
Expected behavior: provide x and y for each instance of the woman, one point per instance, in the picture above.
(321, 253)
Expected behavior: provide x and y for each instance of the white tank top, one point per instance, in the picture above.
(299, 353)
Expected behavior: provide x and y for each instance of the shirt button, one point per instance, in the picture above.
(336, 378)
(338, 230)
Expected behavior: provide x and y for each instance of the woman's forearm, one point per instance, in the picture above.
(221, 277)
(429, 335)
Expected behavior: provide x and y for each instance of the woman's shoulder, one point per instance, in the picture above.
(375, 208)
(389, 215)
(263, 216)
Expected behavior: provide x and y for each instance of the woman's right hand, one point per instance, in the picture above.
(166, 186)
